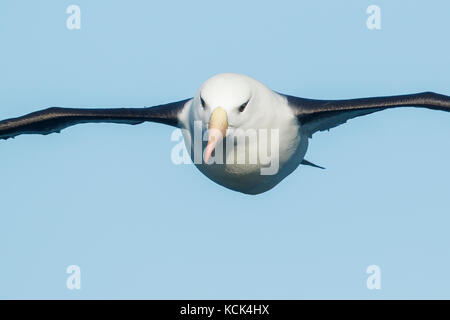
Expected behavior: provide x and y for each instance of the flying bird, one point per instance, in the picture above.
(269, 131)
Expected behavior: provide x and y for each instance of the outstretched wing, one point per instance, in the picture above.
(55, 119)
(319, 115)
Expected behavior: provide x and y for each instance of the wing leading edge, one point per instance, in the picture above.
(55, 119)
(319, 115)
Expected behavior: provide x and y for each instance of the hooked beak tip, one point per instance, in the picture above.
(218, 124)
(208, 152)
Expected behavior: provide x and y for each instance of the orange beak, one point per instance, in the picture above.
(218, 125)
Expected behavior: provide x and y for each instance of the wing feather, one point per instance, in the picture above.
(319, 115)
(55, 119)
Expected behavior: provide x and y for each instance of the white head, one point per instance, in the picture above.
(230, 101)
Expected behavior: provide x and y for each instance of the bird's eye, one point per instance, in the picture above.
(242, 107)
(203, 103)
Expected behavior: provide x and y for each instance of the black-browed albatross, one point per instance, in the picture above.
(232, 105)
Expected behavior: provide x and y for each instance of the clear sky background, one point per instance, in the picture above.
(108, 198)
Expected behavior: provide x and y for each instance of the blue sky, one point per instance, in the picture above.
(108, 198)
